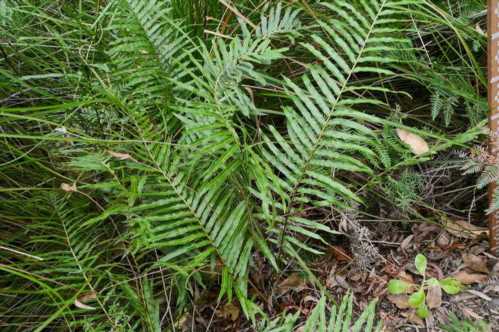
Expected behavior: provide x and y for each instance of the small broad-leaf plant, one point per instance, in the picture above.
(418, 298)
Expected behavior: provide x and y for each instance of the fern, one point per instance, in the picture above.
(218, 77)
(457, 325)
(326, 133)
(445, 105)
(275, 23)
(173, 218)
(147, 54)
(191, 137)
(334, 318)
(405, 190)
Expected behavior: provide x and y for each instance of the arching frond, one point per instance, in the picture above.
(189, 222)
(327, 132)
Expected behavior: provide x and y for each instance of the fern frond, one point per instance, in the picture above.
(330, 318)
(340, 319)
(326, 132)
(275, 23)
(437, 104)
(189, 224)
(218, 77)
(489, 175)
(148, 52)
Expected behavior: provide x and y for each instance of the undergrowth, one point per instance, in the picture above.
(151, 151)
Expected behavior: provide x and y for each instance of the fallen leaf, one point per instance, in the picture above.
(340, 254)
(401, 301)
(434, 296)
(337, 280)
(82, 300)
(407, 242)
(406, 277)
(443, 240)
(475, 263)
(479, 294)
(417, 144)
(413, 318)
(310, 298)
(119, 155)
(470, 278)
(69, 188)
(495, 269)
(293, 282)
(463, 229)
(230, 311)
(81, 305)
(88, 297)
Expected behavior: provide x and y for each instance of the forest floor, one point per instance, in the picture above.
(372, 251)
(459, 251)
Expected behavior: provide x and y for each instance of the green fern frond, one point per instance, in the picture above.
(148, 47)
(437, 104)
(327, 135)
(340, 319)
(224, 66)
(326, 318)
(489, 175)
(189, 224)
(276, 22)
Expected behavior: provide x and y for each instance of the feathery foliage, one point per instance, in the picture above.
(152, 151)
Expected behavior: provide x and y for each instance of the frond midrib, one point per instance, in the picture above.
(318, 142)
(157, 52)
(179, 194)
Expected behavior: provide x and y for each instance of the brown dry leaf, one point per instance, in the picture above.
(294, 282)
(417, 144)
(69, 188)
(230, 311)
(88, 297)
(476, 263)
(467, 278)
(82, 300)
(434, 296)
(407, 242)
(443, 240)
(463, 229)
(340, 254)
(401, 301)
(413, 318)
(406, 277)
(119, 155)
(334, 280)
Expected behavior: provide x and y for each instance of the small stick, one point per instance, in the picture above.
(237, 13)
(493, 82)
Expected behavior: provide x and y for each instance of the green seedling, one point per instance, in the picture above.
(418, 298)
